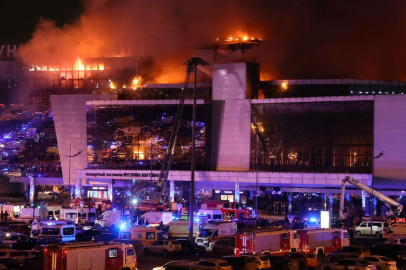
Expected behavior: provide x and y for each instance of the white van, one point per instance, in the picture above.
(86, 215)
(379, 228)
(211, 214)
(155, 218)
(53, 211)
(146, 235)
(180, 228)
(65, 233)
(214, 229)
(69, 214)
(109, 218)
(28, 214)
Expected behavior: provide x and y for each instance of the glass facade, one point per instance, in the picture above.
(137, 136)
(330, 137)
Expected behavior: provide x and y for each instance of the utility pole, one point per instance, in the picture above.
(193, 63)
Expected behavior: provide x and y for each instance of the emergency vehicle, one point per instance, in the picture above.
(323, 241)
(155, 218)
(232, 213)
(215, 229)
(266, 239)
(103, 256)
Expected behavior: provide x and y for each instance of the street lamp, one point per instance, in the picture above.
(192, 66)
(70, 156)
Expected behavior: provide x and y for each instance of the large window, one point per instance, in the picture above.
(315, 137)
(134, 136)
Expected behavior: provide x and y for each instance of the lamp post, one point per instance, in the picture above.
(70, 156)
(371, 200)
(192, 64)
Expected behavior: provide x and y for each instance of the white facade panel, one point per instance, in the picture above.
(234, 136)
(229, 81)
(390, 136)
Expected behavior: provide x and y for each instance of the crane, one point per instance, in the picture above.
(167, 160)
(395, 207)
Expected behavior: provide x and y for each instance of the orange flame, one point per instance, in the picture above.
(79, 65)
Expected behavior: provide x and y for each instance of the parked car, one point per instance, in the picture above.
(305, 260)
(389, 250)
(282, 262)
(353, 263)
(13, 264)
(224, 246)
(6, 231)
(190, 247)
(29, 243)
(104, 237)
(163, 267)
(35, 263)
(396, 240)
(215, 264)
(14, 254)
(163, 247)
(88, 234)
(240, 263)
(261, 261)
(79, 229)
(8, 241)
(347, 252)
(381, 262)
(187, 266)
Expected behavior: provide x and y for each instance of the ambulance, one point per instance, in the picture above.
(90, 256)
(215, 229)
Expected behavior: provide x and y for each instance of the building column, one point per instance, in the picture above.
(78, 188)
(290, 198)
(171, 190)
(32, 189)
(237, 192)
(110, 192)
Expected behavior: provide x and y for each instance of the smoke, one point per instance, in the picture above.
(301, 39)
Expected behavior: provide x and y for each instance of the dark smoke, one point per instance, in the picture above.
(301, 39)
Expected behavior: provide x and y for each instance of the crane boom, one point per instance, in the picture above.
(393, 205)
(167, 160)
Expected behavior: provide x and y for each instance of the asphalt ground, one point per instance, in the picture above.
(155, 260)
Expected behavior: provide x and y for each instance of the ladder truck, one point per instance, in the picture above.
(395, 207)
(167, 160)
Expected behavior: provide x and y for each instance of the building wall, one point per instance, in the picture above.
(70, 125)
(233, 85)
(390, 136)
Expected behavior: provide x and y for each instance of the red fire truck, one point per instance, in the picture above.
(266, 239)
(107, 256)
(322, 241)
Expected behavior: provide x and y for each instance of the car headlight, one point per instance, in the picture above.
(7, 234)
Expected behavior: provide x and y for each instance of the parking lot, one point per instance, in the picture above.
(155, 260)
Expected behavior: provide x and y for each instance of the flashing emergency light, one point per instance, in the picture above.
(312, 219)
(122, 226)
(135, 201)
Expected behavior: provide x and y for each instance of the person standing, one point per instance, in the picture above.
(2, 215)
(399, 263)
(5, 216)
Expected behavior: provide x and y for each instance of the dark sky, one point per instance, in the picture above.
(18, 18)
(301, 39)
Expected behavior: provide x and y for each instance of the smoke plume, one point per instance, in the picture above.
(301, 39)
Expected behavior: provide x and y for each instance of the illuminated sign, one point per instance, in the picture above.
(228, 192)
(217, 191)
(8, 51)
(324, 219)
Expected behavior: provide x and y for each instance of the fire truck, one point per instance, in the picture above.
(106, 256)
(266, 239)
(322, 241)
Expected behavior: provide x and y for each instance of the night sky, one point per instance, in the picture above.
(301, 39)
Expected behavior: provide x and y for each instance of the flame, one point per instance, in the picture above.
(79, 65)
(135, 83)
(101, 66)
